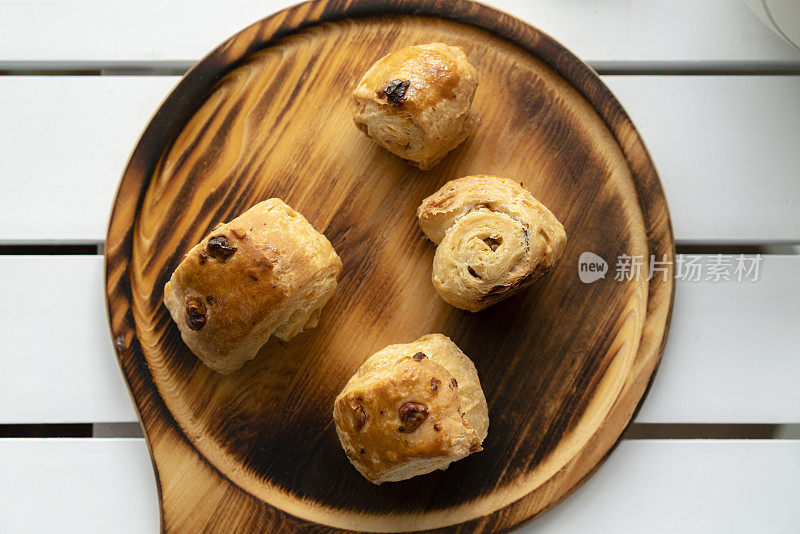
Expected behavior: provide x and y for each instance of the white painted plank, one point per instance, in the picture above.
(66, 141)
(57, 363)
(732, 354)
(724, 145)
(727, 149)
(609, 34)
(664, 487)
(658, 486)
(77, 485)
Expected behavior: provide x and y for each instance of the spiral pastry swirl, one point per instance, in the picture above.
(494, 239)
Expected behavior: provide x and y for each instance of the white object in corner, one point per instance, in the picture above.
(781, 16)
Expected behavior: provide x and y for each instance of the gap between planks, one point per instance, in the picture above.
(635, 431)
(179, 68)
(94, 249)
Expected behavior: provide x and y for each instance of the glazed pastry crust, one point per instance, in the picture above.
(494, 239)
(433, 115)
(369, 411)
(277, 280)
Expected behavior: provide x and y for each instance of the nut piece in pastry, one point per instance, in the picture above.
(411, 409)
(415, 102)
(265, 272)
(494, 239)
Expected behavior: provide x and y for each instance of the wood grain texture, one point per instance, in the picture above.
(564, 365)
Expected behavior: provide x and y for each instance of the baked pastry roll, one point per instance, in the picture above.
(411, 409)
(266, 272)
(415, 102)
(494, 239)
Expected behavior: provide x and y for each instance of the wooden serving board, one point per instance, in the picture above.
(268, 114)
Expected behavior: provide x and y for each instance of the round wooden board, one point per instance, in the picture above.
(564, 364)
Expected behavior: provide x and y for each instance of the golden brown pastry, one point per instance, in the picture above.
(411, 409)
(265, 272)
(415, 102)
(494, 239)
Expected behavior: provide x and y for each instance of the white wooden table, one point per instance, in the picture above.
(716, 96)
